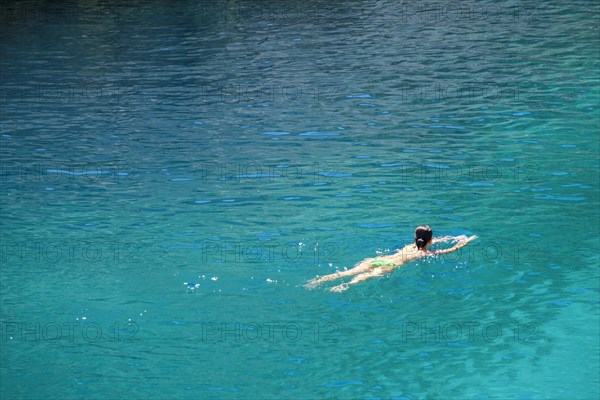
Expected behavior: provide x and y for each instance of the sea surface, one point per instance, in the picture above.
(173, 173)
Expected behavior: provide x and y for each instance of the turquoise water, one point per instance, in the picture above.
(172, 174)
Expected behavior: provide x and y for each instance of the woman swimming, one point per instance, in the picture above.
(379, 266)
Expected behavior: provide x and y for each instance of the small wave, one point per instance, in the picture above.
(315, 133)
(563, 198)
(276, 133)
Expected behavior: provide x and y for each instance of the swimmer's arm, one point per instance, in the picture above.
(455, 247)
(448, 239)
(442, 239)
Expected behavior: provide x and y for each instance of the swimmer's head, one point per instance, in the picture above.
(423, 235)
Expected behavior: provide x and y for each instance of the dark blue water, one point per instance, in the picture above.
(173, 173)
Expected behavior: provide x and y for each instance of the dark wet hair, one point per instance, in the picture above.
(423, 235)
